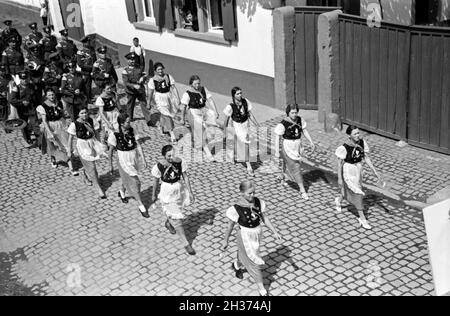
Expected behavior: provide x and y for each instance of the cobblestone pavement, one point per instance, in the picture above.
(53, 229)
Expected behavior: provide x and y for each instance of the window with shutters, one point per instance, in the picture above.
(207, 15)
(148, 11)
(215, 19)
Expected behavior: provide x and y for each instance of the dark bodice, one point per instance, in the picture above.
(250, 217)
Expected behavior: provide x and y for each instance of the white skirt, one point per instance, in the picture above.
(353, 177)
(241, 130)
(112, 119)
(131, 162)
(166, 103)
(251, 238)
(91, 149)
(293, 148)
(173, 198)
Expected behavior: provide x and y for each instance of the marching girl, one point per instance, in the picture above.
(162, 87)
(249, 215)
(89, 148)
(239, 112)
(351, 156)
(131, 161)
(54, 128)
(170, 171)
(108, 112)
(291, 130)
(201, 118)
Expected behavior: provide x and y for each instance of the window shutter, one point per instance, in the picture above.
(131, 10)
(156, 12)
(163, 10)
(169, 19)
(230, 30)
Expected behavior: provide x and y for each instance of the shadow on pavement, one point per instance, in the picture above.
(273, 263)
(194, 221)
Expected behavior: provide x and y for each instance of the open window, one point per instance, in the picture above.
(148, 11)
(215, 17)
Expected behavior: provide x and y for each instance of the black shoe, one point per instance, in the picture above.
(145, 215)
(170, 228)
(190, 250)
(54, 164)
(124, 200)
(238, 272)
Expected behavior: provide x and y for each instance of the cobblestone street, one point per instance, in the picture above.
(53, 226)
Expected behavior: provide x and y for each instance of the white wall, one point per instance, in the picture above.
(34, 3)
(253, 53)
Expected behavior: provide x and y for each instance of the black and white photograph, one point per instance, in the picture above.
(223, 153)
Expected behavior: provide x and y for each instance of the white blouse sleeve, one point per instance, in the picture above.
(112, 140)
(208, 94)
(304, 124)
(366, 147)
(280, 130)
(40, 109)
(232, 214)
(99, 102)
(72, 130)
(263, 206)
(155, 172)
(341, 152)
(228, 111)
(185, 98)
(151, 84)
(250, 105)
(184, 166)
(171, 80)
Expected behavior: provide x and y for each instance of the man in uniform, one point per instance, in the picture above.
(5, 81)
(85, 60)
(35, 65)
(134, 79)
(33, 40)
(9, 32)
(49, 42)
(12, 58)
(53, 74)
(22, 98)
(73, 91)
(66, 47)
(103, 72)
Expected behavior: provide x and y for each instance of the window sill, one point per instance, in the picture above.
(147, 26)
(207, 37)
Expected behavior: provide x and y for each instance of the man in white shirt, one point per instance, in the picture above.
(139, 50)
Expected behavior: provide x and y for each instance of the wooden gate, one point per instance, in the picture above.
(395, 81)
(429, 89)
(72, 18)
(374, 76)
(306, 57)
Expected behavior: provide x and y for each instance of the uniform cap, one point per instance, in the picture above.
(7, 22)
(102, 50)
(3, 68)
(87, 39)
(12, 39)
(131, 56)
(64, 32)
(23, 75)
(48, 29)
(33, 26)
(71, 64)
